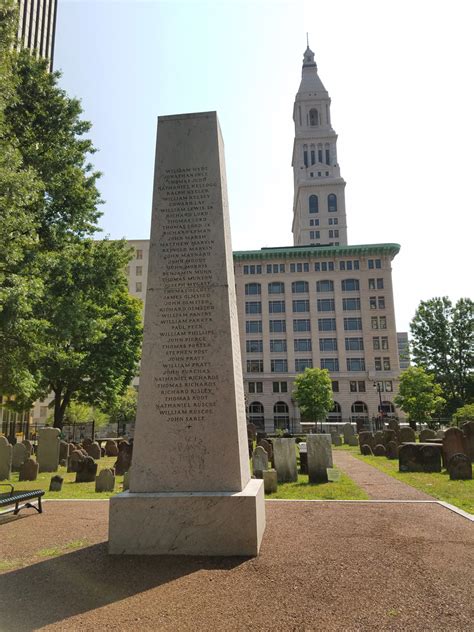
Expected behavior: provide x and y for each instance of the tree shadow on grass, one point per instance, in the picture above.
(90, 578)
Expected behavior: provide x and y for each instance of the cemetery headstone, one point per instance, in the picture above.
(48, 449)
(440, 433)
(251, 431)
(5, 459)
(336, 439)
(379, 438)
(354, 441)
(56, 483)
(105, 481)
(86, 470)
(468, 431)
(407, 435)
(259, 461)
(29, 446)
(124, 458)
(348, 432)
(460, 467)
(366, 450)
(270, 481)
(190, 433)
(426, 435)
(250, 444)
(284, 460)
(126, 480)
(409, 458)
(319, 457)
(394, 425)
(267, 446)
(392, 450)
(379, 450)
(454, 442)
(431, 458)
(389, 435)
(29, 470)
(366, 438)
(19, 456)
(111, 448)
(75, 458)
(63, 450)
(93, 450)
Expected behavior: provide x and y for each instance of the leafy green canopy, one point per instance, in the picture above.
(313, 393)
(418, 395)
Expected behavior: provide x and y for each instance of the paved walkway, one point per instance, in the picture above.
(377, 484)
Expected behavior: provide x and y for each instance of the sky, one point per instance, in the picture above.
(400, 78)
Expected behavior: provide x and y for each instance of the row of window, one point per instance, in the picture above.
(322, 304)
(302, 287)
(319, 266)
(333, 221)
(280, 365)
(358, 386)
(324, 324)
(313, 155)
(313, 203)
(279, 345)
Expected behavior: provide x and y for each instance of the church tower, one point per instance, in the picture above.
(319, 212)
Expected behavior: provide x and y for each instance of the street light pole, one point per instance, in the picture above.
(380, 417)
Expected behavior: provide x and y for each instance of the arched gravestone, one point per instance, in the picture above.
(426, 435)
(29, 470)
(48, 449)
(460, 468)
(380, 450)
(454, 442)
(348, 432)
(190, 487)
(366, 450)
(406, 435)
(392, 450)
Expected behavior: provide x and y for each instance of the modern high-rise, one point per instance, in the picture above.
(37, 27)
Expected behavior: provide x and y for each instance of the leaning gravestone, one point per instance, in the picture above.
(407, 435)
(259, 461)
(319, 457)
(48, 449)
(468, 431)
(190, 488)
(19, 456)
(5, 459)
(284, 460)
(29, 470)
(460, 468)
(348, 432)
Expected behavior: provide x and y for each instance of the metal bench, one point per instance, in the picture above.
(15, 498)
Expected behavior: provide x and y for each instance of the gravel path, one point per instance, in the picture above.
(322, 567)
(377, 484)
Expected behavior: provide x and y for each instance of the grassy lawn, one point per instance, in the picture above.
(457, 493)
(343, 489)
(70, 488)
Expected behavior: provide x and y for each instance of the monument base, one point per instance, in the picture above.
(188, 523)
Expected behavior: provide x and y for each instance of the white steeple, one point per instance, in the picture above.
(319, 215)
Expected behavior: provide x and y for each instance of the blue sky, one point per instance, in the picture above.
(399, 76)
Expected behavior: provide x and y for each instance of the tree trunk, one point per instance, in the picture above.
(60, 407)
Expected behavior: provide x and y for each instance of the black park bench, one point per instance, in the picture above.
(18, 499)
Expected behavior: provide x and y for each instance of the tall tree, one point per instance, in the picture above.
(443, 344)
(419, 396)
(313, 393)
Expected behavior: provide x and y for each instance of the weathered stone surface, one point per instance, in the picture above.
(379, 437)
(366, 450)
(76, 457)
(259, 461)
(409, 458)
(124, 458)
(395, 426)
(191, 449)
(336, 439)
(407, 435)
(454, 442)
(389, 435)
(56, 483)
(19, 456)
(440, 434)
(268, 447)
(366, 438)
(5, 459)
(354, 441)
(29, 447)
(348, 432)
(431, 458)
(426, 435)
(111, 448)
(319, 457)
(93, 450)
(126, 480)
(48, 449)
(379, 450)
(105, 481)
(270, 481)
(284, 460)
(468, 432)
(29, 470)
(63, 450)
(392, 450)
(86, 470)
(460, 467)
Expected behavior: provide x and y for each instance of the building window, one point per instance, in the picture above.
(253, 326)
(302, 344)
(350, 304)
(384, 342)
(383, 322)
(313, 117)
(324, 266)
(278, 346)
(275, 268)
(255, 387)
(327, 324)
(277, 326)
(388, 386)
(253, 269)
(313, 157)
(276, 307)
(139, 254)
(375, 284)
(299, 287)
(314, 234)
(350, 285)
(302, 364)
(301, 306)
(332, 203)
(335, 386)
(374, 322)
(331, 364)
(276, 287)
(254, 346)
(381, 302)
(353, 324)
(328, 344)
(357, 387)
(373, 302)
(299, 267)
(138, 286)
(386, 364)
(313, 204)
(279, 366)
(354, 344)
(314, 222)
(325, 286)
(355, 364)
(256, 414)
(280, 387)
(325, 304)
(253, 307)
(138, 270)
(374, 264)
(252, 288)
(281, 418)
(301, 324)
(254, 366)
(376, 343)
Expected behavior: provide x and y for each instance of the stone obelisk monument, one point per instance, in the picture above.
(190, 486)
